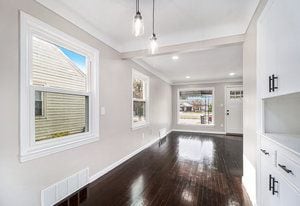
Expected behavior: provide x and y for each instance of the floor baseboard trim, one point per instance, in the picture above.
(196, 131)
(124, 159)
(249, 180)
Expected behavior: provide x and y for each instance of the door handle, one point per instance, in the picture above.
(273, 82)
(270, 182)
(270, 84)
(273, 187)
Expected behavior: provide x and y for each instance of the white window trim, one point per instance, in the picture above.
(29, 149)
(213, 106)
(145, 78)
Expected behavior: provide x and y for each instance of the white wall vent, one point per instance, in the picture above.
(62, 189)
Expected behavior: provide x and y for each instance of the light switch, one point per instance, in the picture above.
(103, 111)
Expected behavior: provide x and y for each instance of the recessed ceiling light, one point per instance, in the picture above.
(232, 74)
(188, 77)
(175, 57)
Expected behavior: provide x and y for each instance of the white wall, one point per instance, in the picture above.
(219, 107)
(250, 105)
(21, 183)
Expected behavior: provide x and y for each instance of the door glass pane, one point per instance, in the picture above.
(65, 115)
(58, 67)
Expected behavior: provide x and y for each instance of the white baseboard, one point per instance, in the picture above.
(249, 179)
(124, 159)
(196, 131)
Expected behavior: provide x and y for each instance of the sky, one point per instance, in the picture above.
(77, 59)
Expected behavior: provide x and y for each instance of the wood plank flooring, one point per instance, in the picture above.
(182, 169)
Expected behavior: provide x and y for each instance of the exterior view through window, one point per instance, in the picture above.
(59, 109)
(140, 85)
(196, 107)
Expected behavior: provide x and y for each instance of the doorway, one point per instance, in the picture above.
(234, 109)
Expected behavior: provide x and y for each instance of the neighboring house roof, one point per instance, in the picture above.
(53, 68)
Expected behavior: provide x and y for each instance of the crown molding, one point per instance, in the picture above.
(62, 10)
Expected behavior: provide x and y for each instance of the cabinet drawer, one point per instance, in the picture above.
(289, 169)
(268, 151)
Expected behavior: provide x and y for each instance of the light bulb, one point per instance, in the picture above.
(153, 44)
(138, 25)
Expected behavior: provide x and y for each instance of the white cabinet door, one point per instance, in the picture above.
(288, 45)
(288, 195)
(278, 36)
(266, 38)
(268, 198)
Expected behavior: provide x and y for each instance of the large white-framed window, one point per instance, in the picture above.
(195, 106)
(140, 99)
(59, 90)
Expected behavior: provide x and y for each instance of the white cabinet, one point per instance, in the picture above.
(279, 182)
(278, 38)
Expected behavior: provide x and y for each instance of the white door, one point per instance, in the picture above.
(234, 109)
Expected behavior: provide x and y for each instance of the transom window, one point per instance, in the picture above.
(140, 95)
(59, 90)
(196, 106)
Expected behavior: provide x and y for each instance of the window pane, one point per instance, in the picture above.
(58, 67)
(65, 115)
(38, 103)
(196, 107)
(139, 111)
(138, 89)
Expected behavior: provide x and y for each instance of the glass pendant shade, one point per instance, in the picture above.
(138, 25)
(153, 44)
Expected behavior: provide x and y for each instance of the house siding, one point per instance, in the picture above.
(64, 114)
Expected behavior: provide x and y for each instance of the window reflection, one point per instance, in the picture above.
(196, 149)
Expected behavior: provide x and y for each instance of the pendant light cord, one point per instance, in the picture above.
(137, 6)
(153, 18)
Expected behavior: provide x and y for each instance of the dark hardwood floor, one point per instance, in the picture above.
(182, 169)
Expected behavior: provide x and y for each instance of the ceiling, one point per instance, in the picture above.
(188, 24)
(177, 21)
(208, 65)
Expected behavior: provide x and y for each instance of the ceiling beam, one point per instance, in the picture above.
(187, 47)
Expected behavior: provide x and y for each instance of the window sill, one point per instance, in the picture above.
(48, 147)
(139, 126)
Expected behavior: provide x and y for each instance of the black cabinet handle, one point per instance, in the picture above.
(273, 186)
(270, 84)
(285, 169)
(265, 152)
(270, 183)
(273, 82)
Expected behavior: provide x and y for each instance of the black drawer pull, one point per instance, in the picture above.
(285, 169)
(265, 152)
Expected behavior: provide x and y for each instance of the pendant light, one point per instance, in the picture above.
(138, 24)
(153, 39)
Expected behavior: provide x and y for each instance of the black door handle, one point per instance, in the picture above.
(270, 84)
(270, 183)
(273, 186)
(273, 82)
